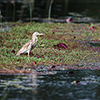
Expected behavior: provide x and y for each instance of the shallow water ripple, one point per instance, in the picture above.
(80, 85)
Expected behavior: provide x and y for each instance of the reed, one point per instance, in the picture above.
(49, 14)
(26, 4)
(31, 6)
(6, 93)
(14, 12)
(1, 19)
(13, 2)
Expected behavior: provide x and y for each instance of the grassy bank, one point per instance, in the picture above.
(80, 40)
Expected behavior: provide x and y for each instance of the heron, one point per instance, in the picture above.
(31, 44)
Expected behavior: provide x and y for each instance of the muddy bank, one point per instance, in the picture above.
(42, 70)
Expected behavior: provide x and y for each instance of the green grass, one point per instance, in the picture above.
(75, 36)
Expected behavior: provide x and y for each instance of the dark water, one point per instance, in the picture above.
(21, 10)
(58, 86)
(86, 9)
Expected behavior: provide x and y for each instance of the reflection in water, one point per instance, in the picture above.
(53, 86)
(33, 78)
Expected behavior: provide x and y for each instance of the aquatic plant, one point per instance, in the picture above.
(9, 84)
(13, 2)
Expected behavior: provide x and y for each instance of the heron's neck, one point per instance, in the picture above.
(34, 38)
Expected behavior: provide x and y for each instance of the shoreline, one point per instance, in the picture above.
(26, 72)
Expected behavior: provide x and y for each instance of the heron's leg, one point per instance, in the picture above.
(28, 55)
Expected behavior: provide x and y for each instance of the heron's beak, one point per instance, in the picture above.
(41, 34)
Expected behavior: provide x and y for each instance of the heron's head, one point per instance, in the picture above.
(37, 33)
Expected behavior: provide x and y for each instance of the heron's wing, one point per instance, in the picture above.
(25, 48)
(34, 42)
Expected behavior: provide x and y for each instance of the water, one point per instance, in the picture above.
(21, 10)
(57, 86)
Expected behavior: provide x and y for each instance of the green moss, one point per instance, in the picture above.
(75, 36)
